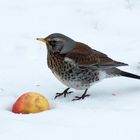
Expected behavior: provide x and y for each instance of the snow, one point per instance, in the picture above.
(113, 109)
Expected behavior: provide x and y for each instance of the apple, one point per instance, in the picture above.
(30, 102)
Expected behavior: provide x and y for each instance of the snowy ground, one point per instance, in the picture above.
(110, 26)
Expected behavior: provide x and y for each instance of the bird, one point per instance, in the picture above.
(77, 65)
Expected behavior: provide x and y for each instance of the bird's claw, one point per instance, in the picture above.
(65, 93)
(80, 97)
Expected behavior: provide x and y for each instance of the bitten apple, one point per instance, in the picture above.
(30, 102)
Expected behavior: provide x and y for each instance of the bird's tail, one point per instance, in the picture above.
(117, 72)
(130, 75)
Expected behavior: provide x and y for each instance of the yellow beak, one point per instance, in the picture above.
(42, 40)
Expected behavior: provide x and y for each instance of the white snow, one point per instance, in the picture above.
(112, 112)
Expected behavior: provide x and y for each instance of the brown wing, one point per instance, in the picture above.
(84, 56)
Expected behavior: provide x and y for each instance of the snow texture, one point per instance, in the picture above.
(112, 112)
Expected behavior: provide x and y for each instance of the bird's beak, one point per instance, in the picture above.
(42, 39)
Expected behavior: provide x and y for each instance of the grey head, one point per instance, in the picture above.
(57, 42)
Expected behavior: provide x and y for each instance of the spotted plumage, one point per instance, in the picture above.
(70, 74)
(77, 65)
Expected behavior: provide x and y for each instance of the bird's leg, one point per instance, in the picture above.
(81, 97)
(65, 92)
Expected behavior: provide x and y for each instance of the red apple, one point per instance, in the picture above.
(30, 102)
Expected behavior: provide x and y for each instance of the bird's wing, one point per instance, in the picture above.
(84, 56)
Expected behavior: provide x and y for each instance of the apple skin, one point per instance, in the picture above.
(30, 102)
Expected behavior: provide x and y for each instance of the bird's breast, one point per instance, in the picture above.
(72, 75)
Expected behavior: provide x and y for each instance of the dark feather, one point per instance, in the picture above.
(84, 56)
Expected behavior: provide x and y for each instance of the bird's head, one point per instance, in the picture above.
(58, 43)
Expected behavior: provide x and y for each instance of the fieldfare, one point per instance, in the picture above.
(77, 65)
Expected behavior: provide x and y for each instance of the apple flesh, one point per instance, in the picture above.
(30, 102)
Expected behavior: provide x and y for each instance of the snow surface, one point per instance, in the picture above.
(112, 112)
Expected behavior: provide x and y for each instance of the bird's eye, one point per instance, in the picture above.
(52, 42)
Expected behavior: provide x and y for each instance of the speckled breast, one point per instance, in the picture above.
(72, 76)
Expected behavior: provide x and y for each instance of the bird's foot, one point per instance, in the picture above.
(81, 97)
(65, 93)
